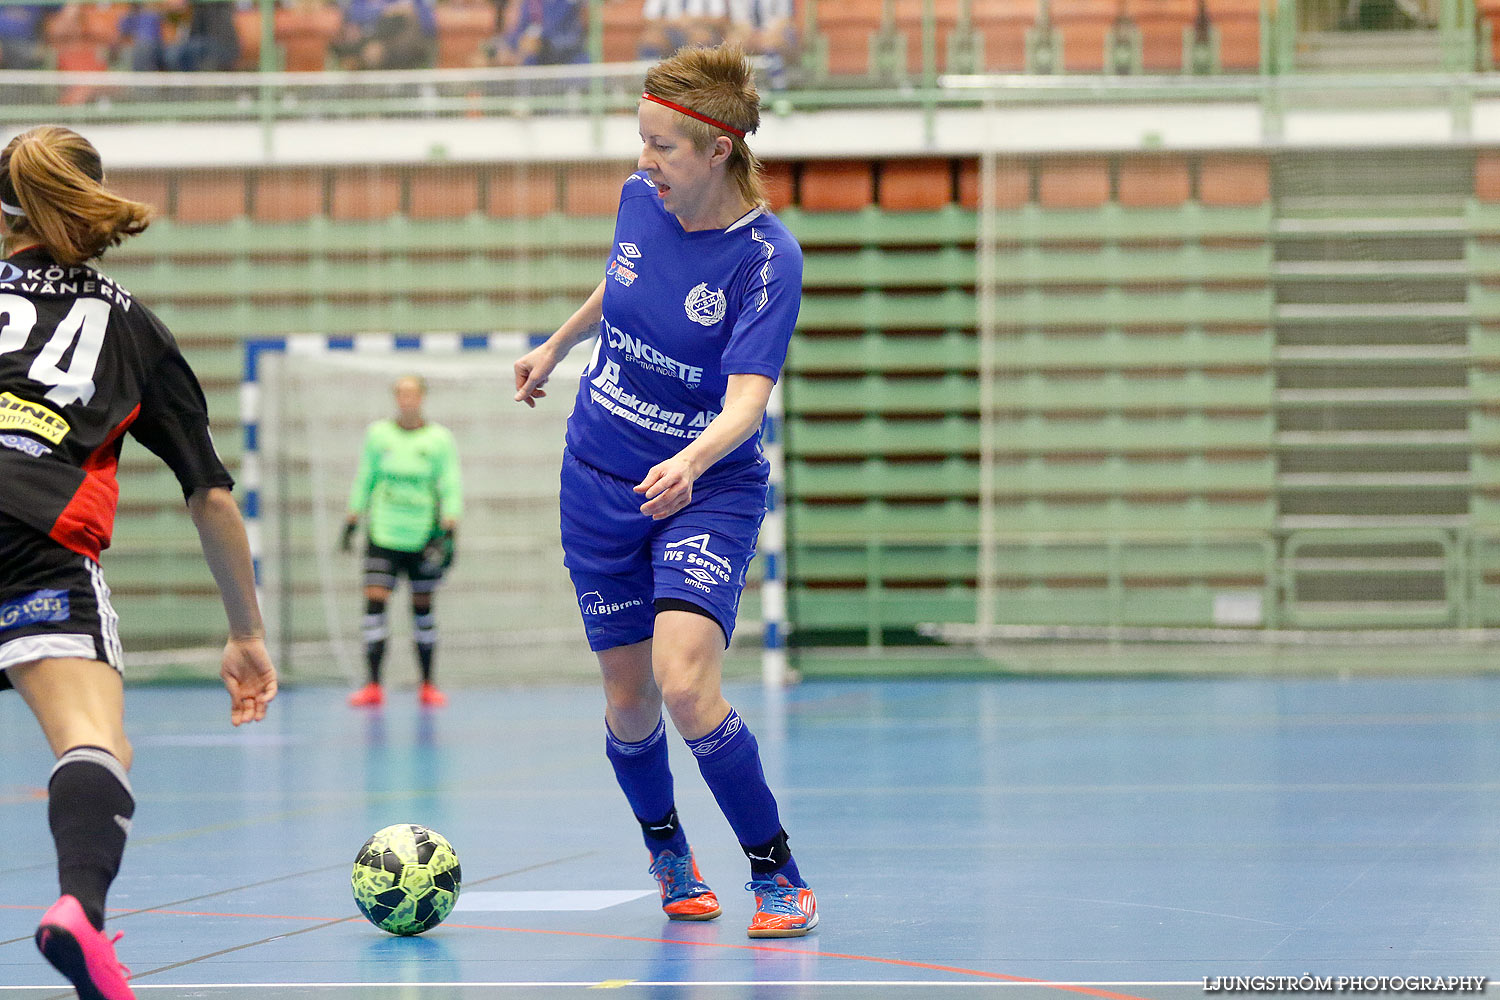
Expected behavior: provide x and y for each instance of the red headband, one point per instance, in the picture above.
(693, 114)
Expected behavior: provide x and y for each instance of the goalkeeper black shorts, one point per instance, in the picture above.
(383, 567)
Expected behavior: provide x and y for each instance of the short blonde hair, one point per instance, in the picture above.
(53, 176)
(718, 83)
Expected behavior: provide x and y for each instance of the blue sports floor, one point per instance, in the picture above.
(1036, 838)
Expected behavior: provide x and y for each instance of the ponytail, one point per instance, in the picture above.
(52, 192)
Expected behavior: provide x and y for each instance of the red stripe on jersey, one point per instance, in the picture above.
(86, 523)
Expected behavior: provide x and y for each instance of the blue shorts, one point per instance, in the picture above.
(622, 562)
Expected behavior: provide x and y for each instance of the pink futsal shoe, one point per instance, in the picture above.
(67, 940)
(684, 894)
(781, 909)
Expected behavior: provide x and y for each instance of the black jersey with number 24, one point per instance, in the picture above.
(81, 362)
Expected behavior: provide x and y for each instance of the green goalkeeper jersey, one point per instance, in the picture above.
(408, 481)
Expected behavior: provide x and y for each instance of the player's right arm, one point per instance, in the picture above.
(245, 666)
(536, 365)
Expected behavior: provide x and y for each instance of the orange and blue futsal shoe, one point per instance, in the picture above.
(684, 895)
(369, 696)
(85, 956)
(781, 909)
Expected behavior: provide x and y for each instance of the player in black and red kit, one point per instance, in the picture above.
(82, 364)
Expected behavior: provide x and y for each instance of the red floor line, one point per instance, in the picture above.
(764, 948)
(906, 963)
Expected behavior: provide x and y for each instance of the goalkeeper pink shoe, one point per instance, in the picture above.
(85, 956)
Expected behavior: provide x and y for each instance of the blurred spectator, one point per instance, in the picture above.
(206, 39)
(674, 24)
(21, 36)
(766, 28)
(142, 39)
(386, 34)
(541, 33)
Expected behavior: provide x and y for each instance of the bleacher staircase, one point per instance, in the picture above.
(1373, 445)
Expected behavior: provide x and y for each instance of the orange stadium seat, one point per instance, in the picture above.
(210, 196)
(1238, 22)
(909, 23)
(848, 25)
(363, 194)
(779, 183)
(521, 191)
(1487, 176)
(1084, 25)
(462, 28)
(1162, 23)
(1076, 182)
(623, 24)
(287, 195)
(444, 192)
(303, 32)
(915, 185)
(82, 36)
(1153, 181)
(837, 185)
(247, 29)
(593, 188)
(1003, 25)
(149, 186)
(1012, 187)
(1487, 18)
(1234, 180)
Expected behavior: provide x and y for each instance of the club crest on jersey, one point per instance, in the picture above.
(16, 414)
(705, 307)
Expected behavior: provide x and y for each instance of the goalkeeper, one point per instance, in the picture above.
(410, 492)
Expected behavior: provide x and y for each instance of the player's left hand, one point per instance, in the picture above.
(668, 487)
(250, 677)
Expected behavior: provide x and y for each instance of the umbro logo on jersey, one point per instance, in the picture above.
(630, 250)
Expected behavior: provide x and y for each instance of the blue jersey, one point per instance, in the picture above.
(682, 312)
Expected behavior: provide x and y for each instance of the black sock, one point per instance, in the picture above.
(424, 628)
(374, 630)
(663, 831)
(772, 858)
(89, 807)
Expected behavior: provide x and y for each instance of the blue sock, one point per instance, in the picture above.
(729, 758)
(642, 771)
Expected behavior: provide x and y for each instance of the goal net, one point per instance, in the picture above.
(506, 610)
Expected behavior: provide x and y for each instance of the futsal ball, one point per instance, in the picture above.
(406, 879)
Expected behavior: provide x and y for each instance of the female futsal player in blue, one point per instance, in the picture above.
(663, 480)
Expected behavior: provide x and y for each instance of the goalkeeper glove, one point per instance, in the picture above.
(437, 554)
(346, 541)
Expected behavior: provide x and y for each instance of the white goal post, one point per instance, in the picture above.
(506, 611)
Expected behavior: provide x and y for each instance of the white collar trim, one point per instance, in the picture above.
(746, 219)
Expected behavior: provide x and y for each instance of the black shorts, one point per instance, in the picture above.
(53, 602)
(384, 566)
